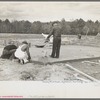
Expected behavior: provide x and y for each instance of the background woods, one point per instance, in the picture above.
(72, 27)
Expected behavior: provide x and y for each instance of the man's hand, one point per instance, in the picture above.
(47, 40)
(29, 58)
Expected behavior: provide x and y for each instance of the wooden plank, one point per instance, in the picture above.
(90, 62)
(82, 73)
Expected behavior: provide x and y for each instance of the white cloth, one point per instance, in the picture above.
(21, 54)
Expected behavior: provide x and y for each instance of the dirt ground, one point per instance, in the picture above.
(90, 67)
(14, 71)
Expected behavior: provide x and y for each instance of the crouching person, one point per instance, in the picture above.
(22, 53)
(8, 51)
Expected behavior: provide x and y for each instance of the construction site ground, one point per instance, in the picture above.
(81, 54)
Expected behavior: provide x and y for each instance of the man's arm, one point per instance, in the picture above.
(51, 33)
(28, 53)
(26, 48)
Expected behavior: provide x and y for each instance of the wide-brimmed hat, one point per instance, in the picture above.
(25, 42)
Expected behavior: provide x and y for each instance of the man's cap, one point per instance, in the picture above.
(25, 42)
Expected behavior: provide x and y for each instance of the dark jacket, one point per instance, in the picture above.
(56, 32)
(8, 51)
(10, 47)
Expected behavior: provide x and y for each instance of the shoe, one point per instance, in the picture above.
(51, 56)
(25, 61)
(22, 61)
(56, 57)
(18, 60)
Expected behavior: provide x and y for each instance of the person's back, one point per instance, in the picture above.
(10, 47)
(8, 51)
(56, 32)
(24, 47)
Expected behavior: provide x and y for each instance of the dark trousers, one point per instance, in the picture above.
(56, 47)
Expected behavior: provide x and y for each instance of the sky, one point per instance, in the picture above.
(49, 11)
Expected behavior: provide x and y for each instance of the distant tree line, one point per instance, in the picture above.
(68, 27)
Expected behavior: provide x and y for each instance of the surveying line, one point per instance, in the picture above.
(89, 77)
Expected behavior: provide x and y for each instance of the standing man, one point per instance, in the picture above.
(56, 32)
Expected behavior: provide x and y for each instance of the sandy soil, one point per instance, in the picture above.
(90, 67)
(14, 71)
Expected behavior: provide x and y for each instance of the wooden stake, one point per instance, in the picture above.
(89, 77)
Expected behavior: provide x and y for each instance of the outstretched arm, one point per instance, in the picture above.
(51, 33)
